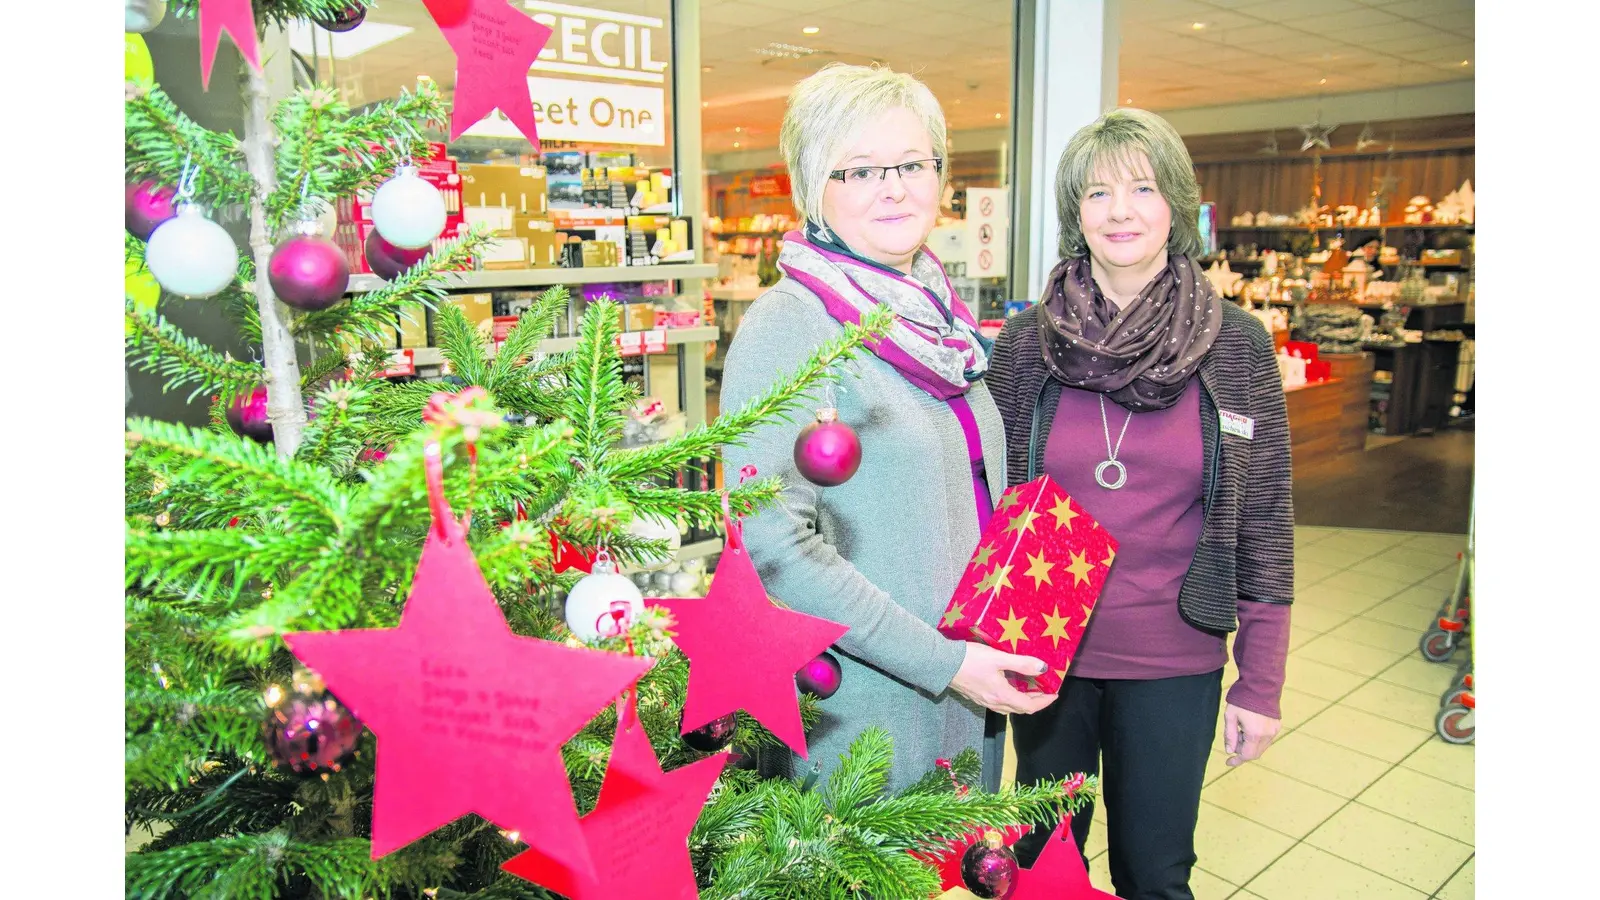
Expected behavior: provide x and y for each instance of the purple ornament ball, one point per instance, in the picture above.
(388, 261)
(345, 20)
(821, 676)
(147, 205)
(309, 272)
(989, 869)
(310, 732)
(713, 736)
(827, 452)
(247, 416)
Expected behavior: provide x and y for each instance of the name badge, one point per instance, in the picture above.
(1235, 424)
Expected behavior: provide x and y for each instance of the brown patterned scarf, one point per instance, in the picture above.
(1141, 356)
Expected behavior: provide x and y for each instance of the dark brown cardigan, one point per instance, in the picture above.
(1246, 548)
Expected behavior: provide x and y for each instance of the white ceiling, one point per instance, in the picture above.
(1248, 51)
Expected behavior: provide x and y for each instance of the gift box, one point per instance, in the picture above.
(1033, 582)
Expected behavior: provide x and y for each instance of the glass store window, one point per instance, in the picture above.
(752, 55)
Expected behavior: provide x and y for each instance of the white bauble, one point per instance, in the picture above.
(589, 604)
(684, 584)
(407, 211)
(190, 255)
(326, 216)
(141, 16)
(654, 528)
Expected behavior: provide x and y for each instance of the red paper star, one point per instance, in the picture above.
(1058, 873)
(743, 651)
(239, 21)
(638, 833)
(470, 718)
(495, 46)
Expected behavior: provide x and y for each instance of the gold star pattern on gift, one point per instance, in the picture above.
(1007, 500)
(982, 558)
(994, 581)
(953, 615)
(1087, 611)
(1080, 568)
(1023, 522)
(1012, 629)
(1064, 513)
(1111, 557)
(1039, 570)
(1055, 626)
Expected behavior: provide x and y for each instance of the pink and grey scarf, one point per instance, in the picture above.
(934, 342)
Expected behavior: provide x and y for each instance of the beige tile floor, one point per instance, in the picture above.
(1358, 798)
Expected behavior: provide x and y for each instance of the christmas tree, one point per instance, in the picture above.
(312, 515)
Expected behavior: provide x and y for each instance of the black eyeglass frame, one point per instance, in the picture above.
(883, 171)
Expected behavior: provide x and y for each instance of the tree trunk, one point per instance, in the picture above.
(285, 408)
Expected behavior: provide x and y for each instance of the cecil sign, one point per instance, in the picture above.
(588, 111)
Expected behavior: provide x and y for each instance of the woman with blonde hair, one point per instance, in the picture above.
(1158, 407)
(882, 552)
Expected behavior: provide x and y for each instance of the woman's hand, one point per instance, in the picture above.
(982, 679)
(1245, 734)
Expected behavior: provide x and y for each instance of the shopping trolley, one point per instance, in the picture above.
(1449, 633)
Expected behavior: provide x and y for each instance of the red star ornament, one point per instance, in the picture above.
(1058, 873)
(239, 21)
(743, 651)
(470, 718)
(495, 46)
(638, 833)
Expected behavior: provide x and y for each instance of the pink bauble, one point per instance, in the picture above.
(247, 416)
(388, 261)
(309, 272)
(822, 677)
(827, 452)
(310, 732)
(447, 13)
(148, 205)
(344, 20)
(989, 869)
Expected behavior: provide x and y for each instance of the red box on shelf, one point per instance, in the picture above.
(1033, 582)
(1301, 350)
(1318, 370)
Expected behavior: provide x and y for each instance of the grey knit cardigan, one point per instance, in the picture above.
(1246, 548)
(881, 553)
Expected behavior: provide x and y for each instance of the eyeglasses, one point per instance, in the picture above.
(910, 172)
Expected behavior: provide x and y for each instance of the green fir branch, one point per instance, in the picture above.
(596, 397)
(160, 138)
(156, 345)
(462, 344)
(732, 425)
(533, 326)
(371, 314)
(277, 12)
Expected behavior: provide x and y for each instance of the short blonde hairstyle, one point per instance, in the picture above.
(1115, 139)
(824, 112)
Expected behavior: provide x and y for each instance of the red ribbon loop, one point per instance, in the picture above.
(433, 465)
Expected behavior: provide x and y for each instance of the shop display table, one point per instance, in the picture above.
(1328, 419)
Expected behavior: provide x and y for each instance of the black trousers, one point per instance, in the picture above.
(1154, 737)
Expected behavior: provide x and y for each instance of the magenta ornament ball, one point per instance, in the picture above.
(309, 272)
(821, 676)
(827, 452)
(713, 736)
(148, 205)
(310, 733)
(388, 261)
(247, 416)
(345, 20)
(989, 869)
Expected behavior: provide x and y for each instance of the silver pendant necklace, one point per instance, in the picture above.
(1111, 454)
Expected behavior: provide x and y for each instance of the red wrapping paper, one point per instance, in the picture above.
(1032, 585)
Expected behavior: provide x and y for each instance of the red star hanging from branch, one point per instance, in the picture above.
(744, 651)
(1058, 873)
(638, 833)
(470, 717)
(495, 46)
(239, 21)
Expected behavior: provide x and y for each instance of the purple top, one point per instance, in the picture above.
(1137, 631)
